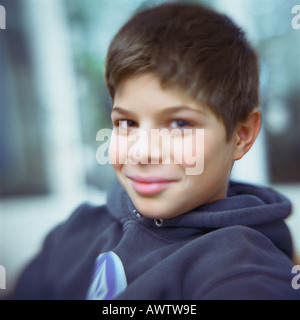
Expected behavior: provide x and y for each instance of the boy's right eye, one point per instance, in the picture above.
(124, 124)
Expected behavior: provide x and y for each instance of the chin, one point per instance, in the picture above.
(154, 211)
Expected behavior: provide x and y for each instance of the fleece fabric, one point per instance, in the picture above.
(235, 248)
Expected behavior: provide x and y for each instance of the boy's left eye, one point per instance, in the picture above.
(179, 124)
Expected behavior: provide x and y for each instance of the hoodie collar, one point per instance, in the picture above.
(245, 205)
(259, 208)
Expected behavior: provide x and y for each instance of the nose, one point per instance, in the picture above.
(146, 147)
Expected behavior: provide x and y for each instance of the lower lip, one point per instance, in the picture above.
(150, 188)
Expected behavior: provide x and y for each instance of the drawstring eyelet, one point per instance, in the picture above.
(136, 213)
(158, 222)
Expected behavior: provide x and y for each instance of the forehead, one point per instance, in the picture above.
(144, 93)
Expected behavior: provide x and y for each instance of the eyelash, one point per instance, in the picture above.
(116, 123)
(186, 123)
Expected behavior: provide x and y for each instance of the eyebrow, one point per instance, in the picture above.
(172, 109)
(121, 111)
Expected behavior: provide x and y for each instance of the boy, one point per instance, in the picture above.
(168, 232)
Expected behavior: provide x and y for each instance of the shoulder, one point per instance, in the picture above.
(87, 214)
(71, 245)
(242, 247)
(247, 265)
(238, 239)
(86, 221)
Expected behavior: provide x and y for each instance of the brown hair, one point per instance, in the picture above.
(194, 48)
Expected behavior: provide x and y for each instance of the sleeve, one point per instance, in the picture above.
(32, 284)
(38, 280)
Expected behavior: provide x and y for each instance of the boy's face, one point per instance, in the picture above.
(153, 172)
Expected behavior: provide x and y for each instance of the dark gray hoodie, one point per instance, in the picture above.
(235, 248)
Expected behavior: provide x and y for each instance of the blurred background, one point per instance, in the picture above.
(53, 101)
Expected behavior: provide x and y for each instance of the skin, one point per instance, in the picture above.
(141, 103)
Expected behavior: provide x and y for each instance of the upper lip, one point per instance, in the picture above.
(150, 179)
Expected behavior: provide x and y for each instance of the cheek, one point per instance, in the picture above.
(189, 150)
(117, 150)
(218, 155)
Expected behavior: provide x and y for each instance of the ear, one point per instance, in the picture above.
(246, 133)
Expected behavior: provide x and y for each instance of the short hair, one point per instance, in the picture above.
(194, 48)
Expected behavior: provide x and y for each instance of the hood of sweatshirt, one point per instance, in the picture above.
(259, 208)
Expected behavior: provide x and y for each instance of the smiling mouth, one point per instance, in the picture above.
(150, 185)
